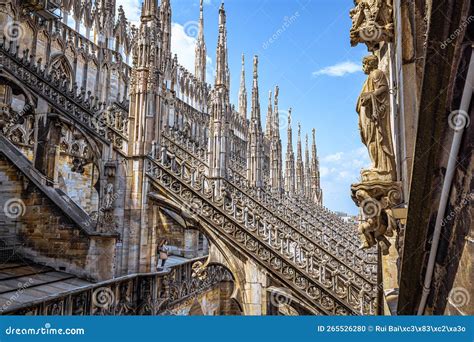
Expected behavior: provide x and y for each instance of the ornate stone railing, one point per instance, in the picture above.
(328, 285)
(238, 164)
(109, 124)
(314, 223)
(182, 153)
(319, 215)
(139, 294)
(330, 243)
(309, 223)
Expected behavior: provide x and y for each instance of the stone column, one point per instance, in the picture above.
(254, 292)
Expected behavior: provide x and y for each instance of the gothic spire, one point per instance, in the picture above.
(269, 123)
(299, 165)
(200, 50)
(290, 161)
(314, 155)
(243, 93)
(299, 154)
(307, 172)
(144, 86)
(165, 18)
(255, 149)
(276, 115)
(146, 47)
(255, 114)
(276, 165)
(316, 192)
(222, 68)
(149, 10)
(289, 144)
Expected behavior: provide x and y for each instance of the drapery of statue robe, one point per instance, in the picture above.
(374, 123)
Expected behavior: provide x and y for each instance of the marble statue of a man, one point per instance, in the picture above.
(374, 122)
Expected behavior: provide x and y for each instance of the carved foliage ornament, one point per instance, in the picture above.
(375, 199)
(372, 23)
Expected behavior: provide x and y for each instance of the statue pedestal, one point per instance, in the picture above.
(375, 197)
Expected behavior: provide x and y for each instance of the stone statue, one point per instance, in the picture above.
(374, 122)
(375, 224)
(379, 191)
(109, 196)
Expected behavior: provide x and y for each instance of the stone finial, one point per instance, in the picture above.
(255, 67)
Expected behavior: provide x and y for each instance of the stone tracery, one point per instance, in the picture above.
(181, 137)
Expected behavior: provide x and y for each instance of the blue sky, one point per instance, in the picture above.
(309, 58)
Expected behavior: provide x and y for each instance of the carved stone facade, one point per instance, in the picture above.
(118, 138)
(414, 113)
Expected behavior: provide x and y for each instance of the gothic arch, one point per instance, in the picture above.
(196, 309)
(63, 69)
(223, 255)
(6, 79)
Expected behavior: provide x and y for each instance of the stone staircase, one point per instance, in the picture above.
(41, 223)
(10, 183)
(331, 284)
(317, 223)
(308, 217)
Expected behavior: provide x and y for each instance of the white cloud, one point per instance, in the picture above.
(338, 171)
(323, 171)
(183, 43)
(339, 70)
(334, 157)
(344, 166)
(183, 37)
